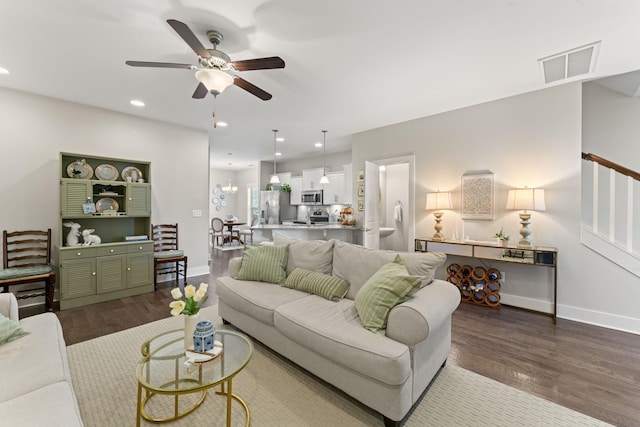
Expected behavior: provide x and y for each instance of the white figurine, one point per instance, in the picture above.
(74, 233)
(90, 239)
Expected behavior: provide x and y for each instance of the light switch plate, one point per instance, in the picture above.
(196, 213)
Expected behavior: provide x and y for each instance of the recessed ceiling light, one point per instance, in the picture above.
(278, 154)
(222, 124)
(318, 144)
(136, 103)
(280, 139)
(4, 71)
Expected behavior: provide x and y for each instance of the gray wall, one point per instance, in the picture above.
(36, 128)
(532, 139)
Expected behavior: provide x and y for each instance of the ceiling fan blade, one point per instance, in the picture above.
(259, 64)
(158, 64)
(188, 36)
(251, 88)
(201, 92)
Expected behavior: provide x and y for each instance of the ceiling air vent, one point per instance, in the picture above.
(569, 64)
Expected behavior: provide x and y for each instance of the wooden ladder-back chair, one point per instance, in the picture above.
(167, 258)
(26, 258)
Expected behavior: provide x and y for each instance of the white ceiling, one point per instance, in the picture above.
(351, 65)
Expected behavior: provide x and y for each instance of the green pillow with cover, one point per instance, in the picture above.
(264, 264)
(329, 287)
(10, 330)
(388, 287)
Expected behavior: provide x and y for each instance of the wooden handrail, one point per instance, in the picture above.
(611, 165)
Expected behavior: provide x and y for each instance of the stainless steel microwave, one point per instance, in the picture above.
(312, 197)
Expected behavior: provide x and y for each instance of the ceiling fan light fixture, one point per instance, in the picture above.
(215, 80)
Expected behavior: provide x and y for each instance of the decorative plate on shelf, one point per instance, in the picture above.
(82, 168)
(218, 207)
(106, 204)
(223, 202)
(131, 171)
(216, 190)
(222, 197)
(106, 172)
(215, 201)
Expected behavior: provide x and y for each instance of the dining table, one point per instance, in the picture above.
(231, 237)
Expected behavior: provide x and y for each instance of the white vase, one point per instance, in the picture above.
(190, 323)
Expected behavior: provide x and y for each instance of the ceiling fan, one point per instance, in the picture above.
(214, 76)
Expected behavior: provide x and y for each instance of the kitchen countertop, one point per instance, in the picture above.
(317, 226)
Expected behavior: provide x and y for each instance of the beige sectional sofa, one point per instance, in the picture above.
(36, 386)
(388, 370)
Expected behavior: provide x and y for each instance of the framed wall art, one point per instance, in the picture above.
(360, 205)
(478, 196)
(360, 190)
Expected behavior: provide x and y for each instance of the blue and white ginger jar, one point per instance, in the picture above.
(204, 336)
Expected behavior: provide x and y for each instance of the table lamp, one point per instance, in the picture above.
(525, 199)
(436, 202)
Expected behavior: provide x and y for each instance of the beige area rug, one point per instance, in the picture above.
(278, 393)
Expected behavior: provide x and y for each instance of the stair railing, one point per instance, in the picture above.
(631, 176)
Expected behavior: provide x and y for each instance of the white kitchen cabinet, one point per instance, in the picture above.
(311, 179)
(296, 190)
(334, 191)
(348, 184)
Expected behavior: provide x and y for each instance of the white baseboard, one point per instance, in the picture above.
(582, 315)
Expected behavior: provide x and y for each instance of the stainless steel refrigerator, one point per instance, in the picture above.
(275, 207)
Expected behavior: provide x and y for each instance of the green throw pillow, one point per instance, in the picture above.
(388, 287)
(264, 264)
(329, 287)
(10, 330)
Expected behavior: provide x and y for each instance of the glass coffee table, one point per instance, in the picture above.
(162, 371)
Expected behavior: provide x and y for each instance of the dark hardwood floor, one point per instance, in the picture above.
(590, 369)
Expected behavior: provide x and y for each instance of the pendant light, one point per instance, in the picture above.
(274, 177)
(324, 179)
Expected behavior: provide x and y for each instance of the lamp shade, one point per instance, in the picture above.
(438, 200)
(215, 80)
(526, 199)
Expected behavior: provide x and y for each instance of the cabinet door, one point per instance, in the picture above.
(311, 179)
(73, 194)
(334, 191)
(111, 273)
(348, 185)
(139, 269)
(77, 278)
(138, 199)
(296, 190)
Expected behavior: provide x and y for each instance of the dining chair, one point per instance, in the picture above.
(218, 231)
(167, 258)
(248, 232)
(27, 259)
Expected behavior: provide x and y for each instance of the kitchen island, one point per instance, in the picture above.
(318, 231)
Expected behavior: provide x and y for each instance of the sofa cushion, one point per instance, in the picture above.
(264, 264)
(52, 405)
(312, 255)
(388, 287)
(347, 255)
(10, 330)
(330, 287)
(333, 330)
(35, 360)
(256, 299)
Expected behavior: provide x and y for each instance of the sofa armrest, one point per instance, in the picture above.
(234, 266)
(9, 306)
(430, 307)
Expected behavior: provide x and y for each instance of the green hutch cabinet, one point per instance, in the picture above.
(113, 197)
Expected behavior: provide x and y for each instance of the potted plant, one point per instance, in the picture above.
(286, 188)
(502, 238)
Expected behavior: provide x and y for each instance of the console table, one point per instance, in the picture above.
(536, 256)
